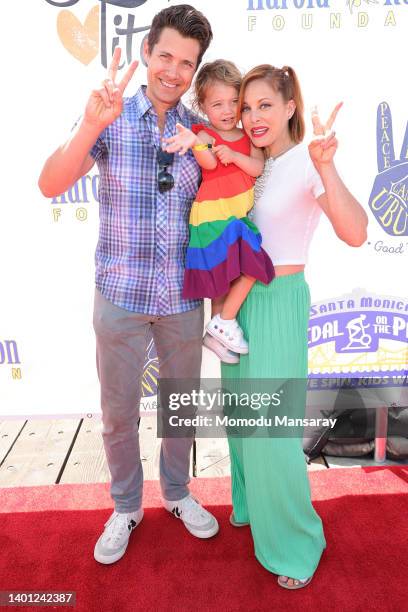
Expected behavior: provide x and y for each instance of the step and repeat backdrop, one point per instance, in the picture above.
(55, 52)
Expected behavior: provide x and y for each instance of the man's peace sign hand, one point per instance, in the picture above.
(105, 104)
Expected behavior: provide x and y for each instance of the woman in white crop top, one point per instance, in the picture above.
(270, 487)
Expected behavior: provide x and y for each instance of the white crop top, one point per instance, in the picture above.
(286, 211)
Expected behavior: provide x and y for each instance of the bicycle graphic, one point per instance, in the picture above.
(358, 336)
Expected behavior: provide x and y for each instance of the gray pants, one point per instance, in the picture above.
(121, 341)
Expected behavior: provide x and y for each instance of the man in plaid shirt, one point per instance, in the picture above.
(145, 199)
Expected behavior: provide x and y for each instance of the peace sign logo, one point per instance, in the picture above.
(389, 196)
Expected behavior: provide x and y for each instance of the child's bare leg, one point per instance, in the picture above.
(217, 305)
(236, 296)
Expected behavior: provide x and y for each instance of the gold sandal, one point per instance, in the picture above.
(298, 583)
(235, 523)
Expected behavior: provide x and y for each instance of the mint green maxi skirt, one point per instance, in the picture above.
(270, 485)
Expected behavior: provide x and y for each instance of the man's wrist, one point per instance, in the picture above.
(89, 128)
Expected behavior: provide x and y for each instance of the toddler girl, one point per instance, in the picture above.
(224, 257)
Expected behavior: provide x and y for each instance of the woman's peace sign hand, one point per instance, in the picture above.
(323, 147)
(105, 104)
(320, 130)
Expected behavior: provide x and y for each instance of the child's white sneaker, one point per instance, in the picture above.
(220, 350)
(229, 333)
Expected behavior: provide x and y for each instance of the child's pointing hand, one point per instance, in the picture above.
(181, 142)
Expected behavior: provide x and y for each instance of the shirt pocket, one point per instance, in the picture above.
(188, 177)
(131, 163)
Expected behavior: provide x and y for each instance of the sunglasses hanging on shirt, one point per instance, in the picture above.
(165, 180)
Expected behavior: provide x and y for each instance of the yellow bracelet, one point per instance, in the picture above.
(202, 147)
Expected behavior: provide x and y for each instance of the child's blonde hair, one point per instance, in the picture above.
(220, 70)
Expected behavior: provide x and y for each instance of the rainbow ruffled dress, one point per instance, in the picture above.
(224, 243)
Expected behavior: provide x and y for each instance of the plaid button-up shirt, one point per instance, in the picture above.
(143, 234)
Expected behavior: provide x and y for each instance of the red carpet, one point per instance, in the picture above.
(48, 534)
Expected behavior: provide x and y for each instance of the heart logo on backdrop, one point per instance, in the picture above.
(81, 41)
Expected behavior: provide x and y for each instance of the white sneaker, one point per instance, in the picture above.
(113, 542)
(197, 520)
(229, 334)
(220, 350)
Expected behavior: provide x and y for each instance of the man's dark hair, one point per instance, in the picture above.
(187, 21)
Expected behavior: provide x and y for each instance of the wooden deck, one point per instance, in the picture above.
(53, 451)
